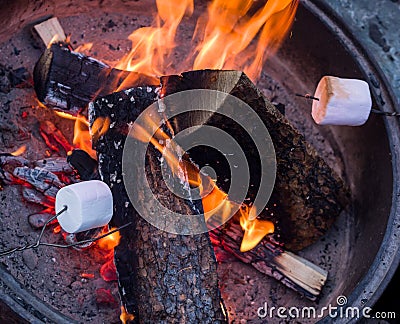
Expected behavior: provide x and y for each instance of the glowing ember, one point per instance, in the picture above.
(105, 297)
(21, 150)
(108, 271)
(57, 229)
(87, 275)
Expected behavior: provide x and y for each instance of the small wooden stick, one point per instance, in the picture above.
(290, 269)
(50, 31)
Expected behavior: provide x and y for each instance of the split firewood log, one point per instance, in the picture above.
(308, 195)
(163, 277)
(67, 81)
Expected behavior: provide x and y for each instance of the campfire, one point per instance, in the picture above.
(156, 260)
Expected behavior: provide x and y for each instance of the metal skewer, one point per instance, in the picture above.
(39, 243)
(375, 111)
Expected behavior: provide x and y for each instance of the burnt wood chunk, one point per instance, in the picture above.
(308, 195)
(55, 165)
(163, 277)
(68, 81)
(85, 166)
(44, 181)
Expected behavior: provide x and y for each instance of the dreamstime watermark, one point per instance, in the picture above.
(309, 312)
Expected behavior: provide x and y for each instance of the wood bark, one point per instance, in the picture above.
(163, 277)
(68, 81)
(308, 195)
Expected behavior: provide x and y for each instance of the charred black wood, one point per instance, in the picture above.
(55, 165)
(281, 107)
(68, 81)
(153, 266)
(84, 164)
(44, 181)
(34, 196)
(308, 195)
(14, 78)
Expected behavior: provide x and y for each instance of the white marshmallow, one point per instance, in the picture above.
(89, 205)
(341, 102)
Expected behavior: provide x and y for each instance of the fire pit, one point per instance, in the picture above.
(359, 251)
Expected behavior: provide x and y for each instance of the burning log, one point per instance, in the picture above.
(44, 181)
(68, 81)
(34, 196)
(55, 165)
(308, 195)
(162, 276)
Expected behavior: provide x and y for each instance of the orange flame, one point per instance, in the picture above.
(229, 32)
(228, 36)
(82, 138)
(84, 47)
(125, 317)
(152, 45)
(254, 229)
(21, 150)
(109, 242)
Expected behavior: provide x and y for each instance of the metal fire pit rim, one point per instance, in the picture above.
(333, 22)
(32, 309)
(387, 260)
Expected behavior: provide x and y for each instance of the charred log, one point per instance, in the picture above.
(34, 196)
(55, 165)
(45, 182)
(162, 277)
(308, 195)
(85, 166)
(68, 81)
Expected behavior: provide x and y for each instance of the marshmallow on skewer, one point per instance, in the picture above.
(89, 205)
(341, 102)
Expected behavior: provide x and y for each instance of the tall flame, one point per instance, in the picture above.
(152, 46)
(232, 34)
(228, 36)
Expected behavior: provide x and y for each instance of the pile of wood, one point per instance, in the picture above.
(165, 277)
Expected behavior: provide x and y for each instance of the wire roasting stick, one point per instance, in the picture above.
(39, 243)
